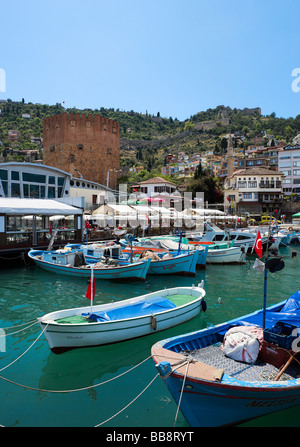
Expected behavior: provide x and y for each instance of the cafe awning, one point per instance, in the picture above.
(41, 207)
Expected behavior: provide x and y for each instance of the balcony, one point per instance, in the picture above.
(270, 185)
(266, 198)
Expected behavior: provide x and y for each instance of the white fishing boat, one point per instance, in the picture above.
(238, 237)
(227, 255)
(122, 320)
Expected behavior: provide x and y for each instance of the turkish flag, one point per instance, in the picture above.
(258, 245)
(90, 293)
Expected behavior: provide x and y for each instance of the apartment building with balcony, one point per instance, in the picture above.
(289, 165)
(255, 190)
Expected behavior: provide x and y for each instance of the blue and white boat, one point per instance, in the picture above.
(162, 264)
(171, 264)
(165, 245)
(214, 388)
(72, 262)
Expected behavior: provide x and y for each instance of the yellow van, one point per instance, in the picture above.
(266, 220)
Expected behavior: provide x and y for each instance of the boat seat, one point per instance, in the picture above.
(142, 308)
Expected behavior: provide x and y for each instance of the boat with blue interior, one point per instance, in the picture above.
(238, 370)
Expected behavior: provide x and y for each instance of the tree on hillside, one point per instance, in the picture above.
(204, 182)
(224, 143)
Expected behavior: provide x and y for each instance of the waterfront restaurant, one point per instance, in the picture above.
(26, 223)
(34, 201)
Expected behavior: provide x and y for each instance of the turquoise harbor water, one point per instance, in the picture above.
(27, 293)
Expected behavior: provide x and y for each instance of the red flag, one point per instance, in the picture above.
(87, 224)
(89, 294)
(134, 190)
(50, 229)
(258, 245)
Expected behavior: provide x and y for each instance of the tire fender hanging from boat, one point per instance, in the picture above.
(153, 322)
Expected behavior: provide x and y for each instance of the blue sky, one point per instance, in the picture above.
(168, 56)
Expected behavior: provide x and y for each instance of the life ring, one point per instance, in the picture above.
(291, 229)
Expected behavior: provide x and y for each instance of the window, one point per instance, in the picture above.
(60, 181)
(51, 192)
(252, 184)
(242, 184)
(3, 174)
(247, 195)
(296, 163)
(33, 178)
(15, 190)
(218, 237)
(296, 172)
(242, 238)
(51, 180)
(15, 175)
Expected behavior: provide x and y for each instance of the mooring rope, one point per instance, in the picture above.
(73, 390)
(18, 325)
(16, 332)
(130, 403)
(25, 350)
(179, 363)
(181, 392)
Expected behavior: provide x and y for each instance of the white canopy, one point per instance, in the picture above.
(43, 207)
(115, 210)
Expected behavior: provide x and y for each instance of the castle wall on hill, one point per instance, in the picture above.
(83, 145)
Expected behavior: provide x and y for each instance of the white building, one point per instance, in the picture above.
(256, 190)
(37, 181)
(289, 165)
(157, 185)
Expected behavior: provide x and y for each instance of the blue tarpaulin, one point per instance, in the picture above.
(156, 305)
(290, 312)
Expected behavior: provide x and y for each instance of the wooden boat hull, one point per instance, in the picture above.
(63, 337)
(213, 399)
(137, 270)
(209, 405)
(184, 264)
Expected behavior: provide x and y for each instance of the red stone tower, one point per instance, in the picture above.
(83, 144)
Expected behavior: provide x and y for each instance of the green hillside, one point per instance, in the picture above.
(146, 139)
